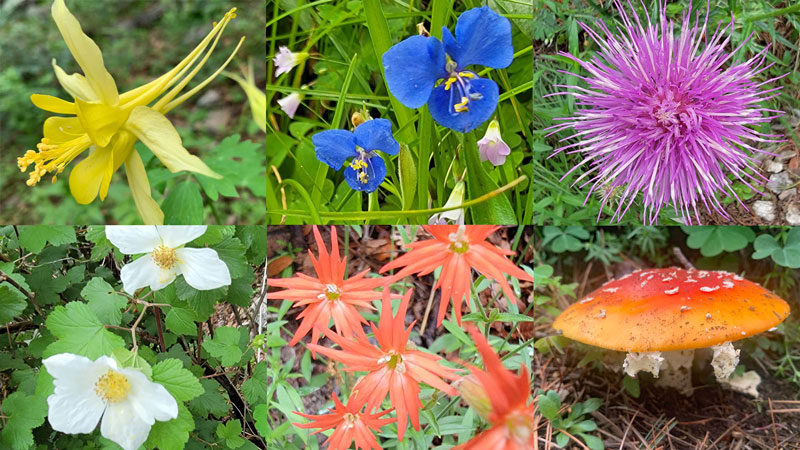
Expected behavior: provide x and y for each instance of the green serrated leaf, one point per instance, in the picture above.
(172, 434)
(225, 345)
(34, 237)
(230, 432)
(180, 382)
(12, 302)
(183, 205)
(104, 301)
(255, 387)
(22, 414)
(79, 331)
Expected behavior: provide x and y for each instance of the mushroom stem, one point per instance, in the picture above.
(677, 371)
(724, 361)
(636, 362)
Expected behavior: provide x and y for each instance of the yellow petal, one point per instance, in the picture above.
(255, 96)
(53, 104)
(86, 53)
(121, 148)
(75, 84)
(62, 129)
(100, 121)
(86, 177)
(140, 189)
(158, 134)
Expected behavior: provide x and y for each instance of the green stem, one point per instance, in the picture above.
(774, 13)
(339, 216)
(312, 210)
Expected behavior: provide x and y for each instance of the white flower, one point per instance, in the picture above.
(166, 257)
(290, 103)
(455, 216)
(87, 390)
(286, 60)
(492, 147)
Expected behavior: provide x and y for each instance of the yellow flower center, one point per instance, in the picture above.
(164, 256)
(350, 420)
(112, 387)
(459, 242)
(394, 361)
(332, 292)
(51, 157)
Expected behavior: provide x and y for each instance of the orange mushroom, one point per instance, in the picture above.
(673, 311)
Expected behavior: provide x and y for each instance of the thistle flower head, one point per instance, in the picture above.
(667, 113)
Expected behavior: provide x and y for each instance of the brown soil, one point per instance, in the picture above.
(712, 418)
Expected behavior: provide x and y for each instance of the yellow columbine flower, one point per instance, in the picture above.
(108, 123)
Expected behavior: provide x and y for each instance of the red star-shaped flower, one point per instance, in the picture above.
(392, 367)
(331, 295)
(507, 397)
(457, 249)
(349, 424)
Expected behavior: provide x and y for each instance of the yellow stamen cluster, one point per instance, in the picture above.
(393, 361)
(112, 387)
(358, 164)
(350, 420)
(452, 80)
(332, 292)
(164, 256)
(462, 106)
(50, 158)
(459, 242)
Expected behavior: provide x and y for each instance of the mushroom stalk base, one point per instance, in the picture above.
(724, 361)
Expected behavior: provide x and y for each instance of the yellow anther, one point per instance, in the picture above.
(363, 177)
(461, 107)
(467, 74)
(449, 82)
(357, 164)
(112, 387)
(164, 257)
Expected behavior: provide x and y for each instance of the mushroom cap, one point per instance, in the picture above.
(671, 309)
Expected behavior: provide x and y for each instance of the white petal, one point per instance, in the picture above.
(174, 236)
(74, 407)
(150, 400)
(140, 273)
(123, 425)
(133, 239)
(202, 268)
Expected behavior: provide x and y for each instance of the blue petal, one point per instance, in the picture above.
(411, 67)
(376, 134)
(376, 171)
(482, 37)
(333, 147)
(479, 112)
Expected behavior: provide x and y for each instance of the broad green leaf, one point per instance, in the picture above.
(22, 414)
(12, 302)
(230, 432)
(104, 301)
(34, 237)
(172, 434)
(79, 331)
(181, 383)
(212, 402)
(183, 205)
(225, 345)
(255, 387)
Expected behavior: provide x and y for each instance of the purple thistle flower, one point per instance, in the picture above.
(664, 117)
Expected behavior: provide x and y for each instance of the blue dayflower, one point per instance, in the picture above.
(422, 70)
(366, 170)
